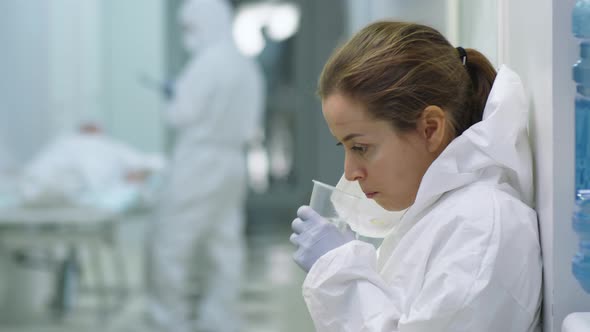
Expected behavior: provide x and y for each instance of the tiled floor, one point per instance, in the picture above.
(271, 297)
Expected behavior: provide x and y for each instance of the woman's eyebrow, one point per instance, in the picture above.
(350, 136)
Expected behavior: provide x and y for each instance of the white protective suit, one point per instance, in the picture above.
(464, 257)
(196, 246)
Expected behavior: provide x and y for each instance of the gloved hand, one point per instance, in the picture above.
(168, 90)
(314, 236)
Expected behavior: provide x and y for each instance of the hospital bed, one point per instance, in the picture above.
(63, 209)
(67, 235)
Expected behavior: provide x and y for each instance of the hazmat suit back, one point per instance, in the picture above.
(196, 245)
(464, 257)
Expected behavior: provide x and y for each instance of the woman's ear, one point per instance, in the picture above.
(433, 127)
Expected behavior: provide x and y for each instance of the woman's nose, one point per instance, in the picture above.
(352, 171)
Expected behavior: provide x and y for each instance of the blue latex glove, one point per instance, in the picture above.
(168, 90)
(314, 236)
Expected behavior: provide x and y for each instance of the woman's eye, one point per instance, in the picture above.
(359, 148)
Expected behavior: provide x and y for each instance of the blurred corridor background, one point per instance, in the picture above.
(85, 150)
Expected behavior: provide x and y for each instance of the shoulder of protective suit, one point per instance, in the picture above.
(483, 206)
(468, 201)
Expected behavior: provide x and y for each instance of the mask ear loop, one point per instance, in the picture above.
(462, 54)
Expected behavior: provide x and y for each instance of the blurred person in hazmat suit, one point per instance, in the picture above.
(196, 243)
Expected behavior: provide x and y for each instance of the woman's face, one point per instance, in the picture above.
(388, 165)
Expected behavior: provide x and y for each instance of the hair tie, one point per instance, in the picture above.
(462, 54)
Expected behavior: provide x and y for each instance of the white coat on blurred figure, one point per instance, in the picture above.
(196, 244)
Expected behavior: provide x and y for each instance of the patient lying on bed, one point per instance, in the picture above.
(88, 168)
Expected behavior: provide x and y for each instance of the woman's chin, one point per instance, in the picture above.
(383, 203)
(388, 205)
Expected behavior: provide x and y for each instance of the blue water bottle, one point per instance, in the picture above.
(581, 224)
(581, 75)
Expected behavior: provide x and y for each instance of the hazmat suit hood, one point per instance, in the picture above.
(496, 147)
(204, 23)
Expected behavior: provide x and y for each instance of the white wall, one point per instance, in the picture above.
(478, 26)
(464, 23)
(67, 60)
(24, 76)
(540, 47)
(429, 12)
(522, 35)
(50, 65)
(133, 46)
(74, 63)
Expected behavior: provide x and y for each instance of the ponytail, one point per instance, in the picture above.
(482, 75)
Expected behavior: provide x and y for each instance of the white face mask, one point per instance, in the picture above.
(367, 218)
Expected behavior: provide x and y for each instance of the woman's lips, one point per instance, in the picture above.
(371, 195)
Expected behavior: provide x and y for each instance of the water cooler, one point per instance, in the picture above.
(580, 321)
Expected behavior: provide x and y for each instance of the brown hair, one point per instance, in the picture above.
(397, 69)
